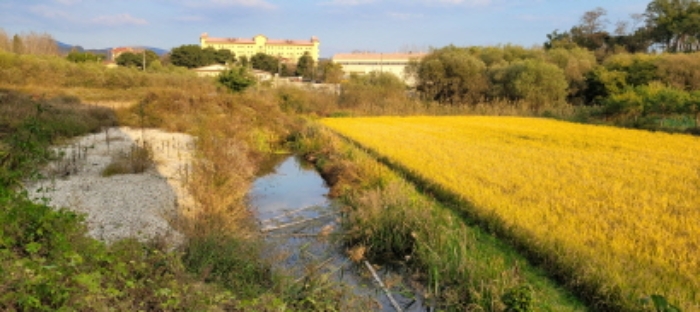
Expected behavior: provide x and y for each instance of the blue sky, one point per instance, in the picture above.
(341, 25)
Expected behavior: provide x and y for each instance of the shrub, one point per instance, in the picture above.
(576, 64)
(452, 75)
(236, 79)
(137, 160)
(682, 71)
(535, 81)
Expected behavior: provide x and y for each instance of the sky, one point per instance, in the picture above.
(342, 26)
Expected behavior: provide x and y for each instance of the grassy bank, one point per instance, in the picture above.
(48, 262)
(388, 221)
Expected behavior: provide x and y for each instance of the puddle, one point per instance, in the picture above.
(301, 225)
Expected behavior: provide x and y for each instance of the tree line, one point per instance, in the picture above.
(585, 66)
(31, 43)
(666, 26)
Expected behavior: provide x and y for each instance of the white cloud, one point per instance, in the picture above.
(119, 19)
(347, 2)
(49, 12)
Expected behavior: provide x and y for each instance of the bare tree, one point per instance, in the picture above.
(5, 44)
(40, 44)
(593, 21)
(621, 28)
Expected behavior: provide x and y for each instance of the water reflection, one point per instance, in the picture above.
(301, 224)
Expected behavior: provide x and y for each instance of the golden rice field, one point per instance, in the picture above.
(619, 207)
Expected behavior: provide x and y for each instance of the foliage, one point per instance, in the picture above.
(681, 71)
(375, 89)
(29, 125)
(262, 61)
(568, 194)
(539, 83)
(451, 75)
(236, 79)
(518, 299)
(82, 57)
(131, 59)
(306, 66)
(675, 24)
(137, 160)
(331, 72)
(576, 64)
(646, 106)
(193, 56)
(603, 83)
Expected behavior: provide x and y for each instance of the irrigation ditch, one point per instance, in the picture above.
(301, 225)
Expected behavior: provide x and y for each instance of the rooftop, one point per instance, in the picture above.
(208, 39)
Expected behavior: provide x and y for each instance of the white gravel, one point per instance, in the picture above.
(124, 205)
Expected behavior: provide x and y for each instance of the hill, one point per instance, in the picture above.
(66, 48)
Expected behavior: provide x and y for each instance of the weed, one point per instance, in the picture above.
(137, 160)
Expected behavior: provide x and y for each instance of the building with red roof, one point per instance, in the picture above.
(286, 50)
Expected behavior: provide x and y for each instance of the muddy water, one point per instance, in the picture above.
(301, 225)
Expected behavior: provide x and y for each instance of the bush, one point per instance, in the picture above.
(376, 92)
(452, 75)
(576, 64)
(534, 81)
(681, 71)
(237, 79)
(137, 160)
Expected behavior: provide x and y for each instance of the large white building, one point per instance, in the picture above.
(364, 63)
(288, 50)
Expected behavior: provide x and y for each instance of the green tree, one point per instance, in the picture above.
(602, 83)
(537, 82)
(17, 44)
(675, 24)
(243, 61)
(192, 56)
(130, 59)
(332, 72)
(451, 75)
(262, 61)
(237, 79)
(306, 66)
(224, 56)
(83, 57)
(576, 64)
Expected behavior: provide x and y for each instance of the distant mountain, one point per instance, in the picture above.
(65, 48)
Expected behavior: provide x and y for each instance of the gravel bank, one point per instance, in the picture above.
(126, 205)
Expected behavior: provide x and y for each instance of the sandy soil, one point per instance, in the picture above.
(126, 205)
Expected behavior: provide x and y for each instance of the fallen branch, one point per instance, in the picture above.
(386, 290)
